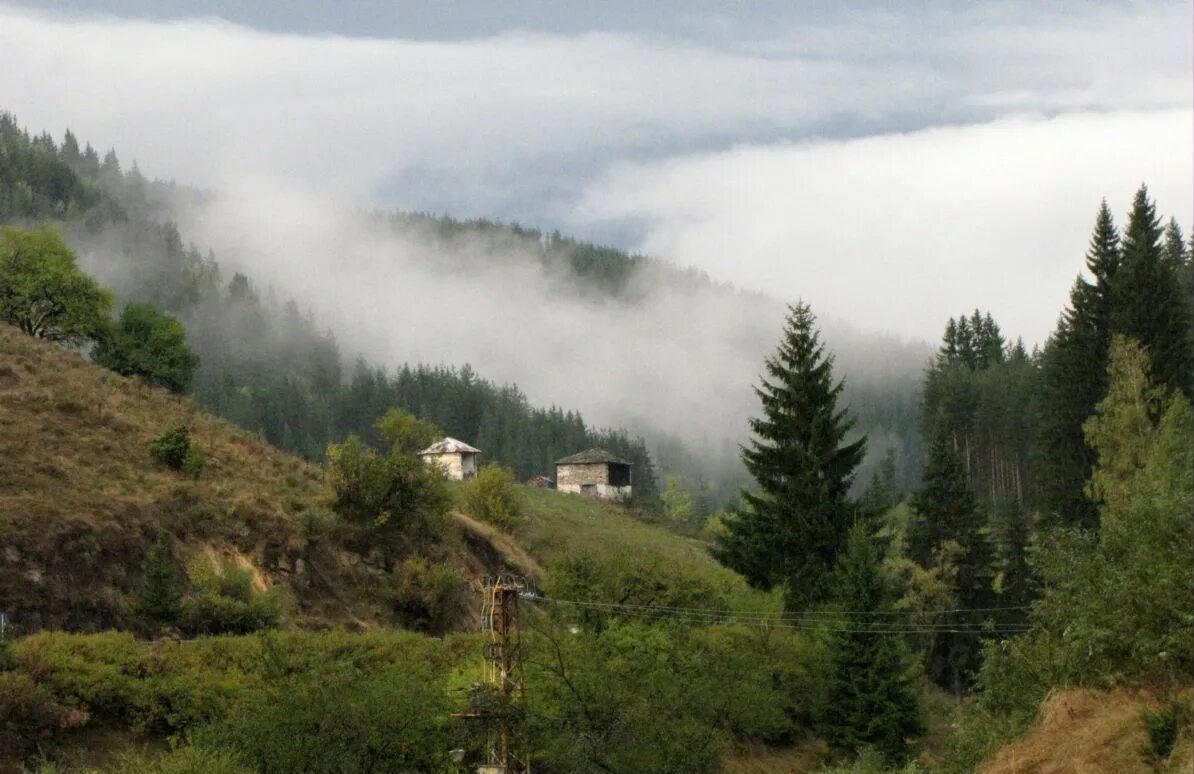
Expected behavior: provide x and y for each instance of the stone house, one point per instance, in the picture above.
(594, 473)
(456, 459)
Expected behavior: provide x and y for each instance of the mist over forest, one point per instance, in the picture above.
(628, 341)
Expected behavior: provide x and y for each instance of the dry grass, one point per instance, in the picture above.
(81, 500)
(1090, 732)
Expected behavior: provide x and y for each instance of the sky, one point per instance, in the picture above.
(892, 168)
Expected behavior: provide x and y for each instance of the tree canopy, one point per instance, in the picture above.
(44, 293)
(147, 342)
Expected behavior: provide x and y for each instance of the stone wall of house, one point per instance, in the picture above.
(600, 491)
(578, 475)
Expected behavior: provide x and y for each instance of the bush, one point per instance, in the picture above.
(391, 720)
(427, 596)
(149, 343)
(406, 432)
(391, 499)
(492, 496)
(206, 613)
(226, 603)
(29, 715)
(172, 447)
(359, 478)
(193, 462)
(1163, 726)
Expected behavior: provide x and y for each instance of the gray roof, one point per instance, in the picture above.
(449, 446)
(593, 456)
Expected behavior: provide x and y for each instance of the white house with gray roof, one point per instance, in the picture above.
(456, 459)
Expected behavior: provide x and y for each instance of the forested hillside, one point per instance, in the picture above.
(270, 361)
(263, 362)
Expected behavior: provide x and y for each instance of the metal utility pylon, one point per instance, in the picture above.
(499, 619)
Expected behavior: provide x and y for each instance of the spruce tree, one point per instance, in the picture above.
(1148, 298)
(1074, 379)
(792, 529)
(873, 697)
(1174, 247)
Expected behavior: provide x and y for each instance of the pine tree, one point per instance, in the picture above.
(1074, 379)
(161, 590)
(873, 699)
(792, 529)
(1148, 299)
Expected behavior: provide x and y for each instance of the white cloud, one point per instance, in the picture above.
(706, 146)
(508, 115)
(899, 232)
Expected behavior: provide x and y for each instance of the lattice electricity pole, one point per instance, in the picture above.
(499, 617)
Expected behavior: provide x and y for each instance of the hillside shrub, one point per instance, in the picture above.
(172, 447)
(427, 596)
(170, 687)
(395, 501)
(1163, 726)
(492, 496)
(194, 462)
(407, 433)
(638, 697)
(147, 342)
(225, 602)
(29, 716)
(360, 479)
(395, 719)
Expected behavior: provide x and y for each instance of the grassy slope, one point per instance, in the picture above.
(81, 500)
(558, 526)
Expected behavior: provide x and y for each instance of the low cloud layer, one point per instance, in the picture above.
(892, 169)
(898, 232)
(516, 123)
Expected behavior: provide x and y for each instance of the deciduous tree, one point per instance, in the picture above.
(44, 293)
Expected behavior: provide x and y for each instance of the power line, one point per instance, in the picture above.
(830, 622)
(810, 613)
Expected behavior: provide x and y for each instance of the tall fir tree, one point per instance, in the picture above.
(1148, 303)
(792, 529)
(873, 695)
(1073, 380)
